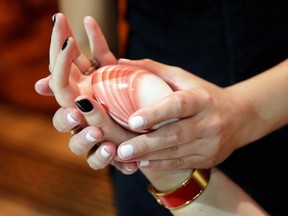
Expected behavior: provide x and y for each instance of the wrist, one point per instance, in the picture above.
(185, 192)
(164, 180)
(241, 117)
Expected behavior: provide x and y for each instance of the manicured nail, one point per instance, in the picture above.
(130, 167)
(126, 151)
(104, 153)
(70, 119)
(144, 163)
(136, 122)
(54, 19)
(65, 44)
(90, 138)
(123, 60)
(84, 105)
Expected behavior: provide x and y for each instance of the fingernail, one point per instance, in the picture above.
(84, 105)
(126, 151)
(123, 60)
(54, 19)
(130, 167)
(70, 119)
(90, 138)
(136, 122)
(144, 163)
(65, 44)
(104, 153)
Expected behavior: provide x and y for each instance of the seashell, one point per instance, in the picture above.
(124, 89)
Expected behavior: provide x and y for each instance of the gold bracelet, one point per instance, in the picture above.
(185, 193)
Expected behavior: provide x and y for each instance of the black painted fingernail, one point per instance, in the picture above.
(65, 44)
(84, 105)
(54, 19)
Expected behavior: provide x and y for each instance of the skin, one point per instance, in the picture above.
(253, 115)
(222, 119)
(67, 84)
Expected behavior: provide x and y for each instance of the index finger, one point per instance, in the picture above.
(61, 31)
(185, 104)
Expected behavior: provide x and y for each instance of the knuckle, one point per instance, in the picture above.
(145, 146)
(216, 145)
(179, 163)
(147, 61)
(206, 97)
(216, 126)
(173, 151)
(181, 102)
(175, 134)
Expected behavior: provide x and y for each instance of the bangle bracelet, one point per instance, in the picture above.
(185, 193)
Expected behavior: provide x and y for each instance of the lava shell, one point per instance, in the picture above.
(124, 89)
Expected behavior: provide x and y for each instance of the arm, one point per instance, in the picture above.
(221, 197)
(222, 119)
(67, 59)
(266, 96)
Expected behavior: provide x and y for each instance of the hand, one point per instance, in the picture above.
(91, 140)
(67, 63)
(205, 135)
(67, 83)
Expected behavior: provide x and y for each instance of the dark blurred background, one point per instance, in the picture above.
(38, 174)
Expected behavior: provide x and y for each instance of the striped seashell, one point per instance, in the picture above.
(124, 89)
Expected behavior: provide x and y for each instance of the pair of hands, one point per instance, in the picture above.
(203, 136)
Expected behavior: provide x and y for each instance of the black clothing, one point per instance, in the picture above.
(224, 42)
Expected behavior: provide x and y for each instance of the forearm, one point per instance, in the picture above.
(105, 13)
(264, 99)
(221, 197)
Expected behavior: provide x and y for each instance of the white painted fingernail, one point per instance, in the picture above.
(129, 167)
(126, 151)
(136, 122)
(144, 163)
(90, 138)
(71, 119)
(104, 153)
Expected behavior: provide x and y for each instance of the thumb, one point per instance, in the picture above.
(42, 87)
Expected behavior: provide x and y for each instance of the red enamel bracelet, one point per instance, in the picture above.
(185, 193)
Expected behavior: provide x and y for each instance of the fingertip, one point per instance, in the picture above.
(123, 61)
(88, 19)
(107, 149)
(136, 122)
(38, 86)
(84, 105)
(125, 168)
(73, 120)
(129, 168)
(42, 87)
(103, 156)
